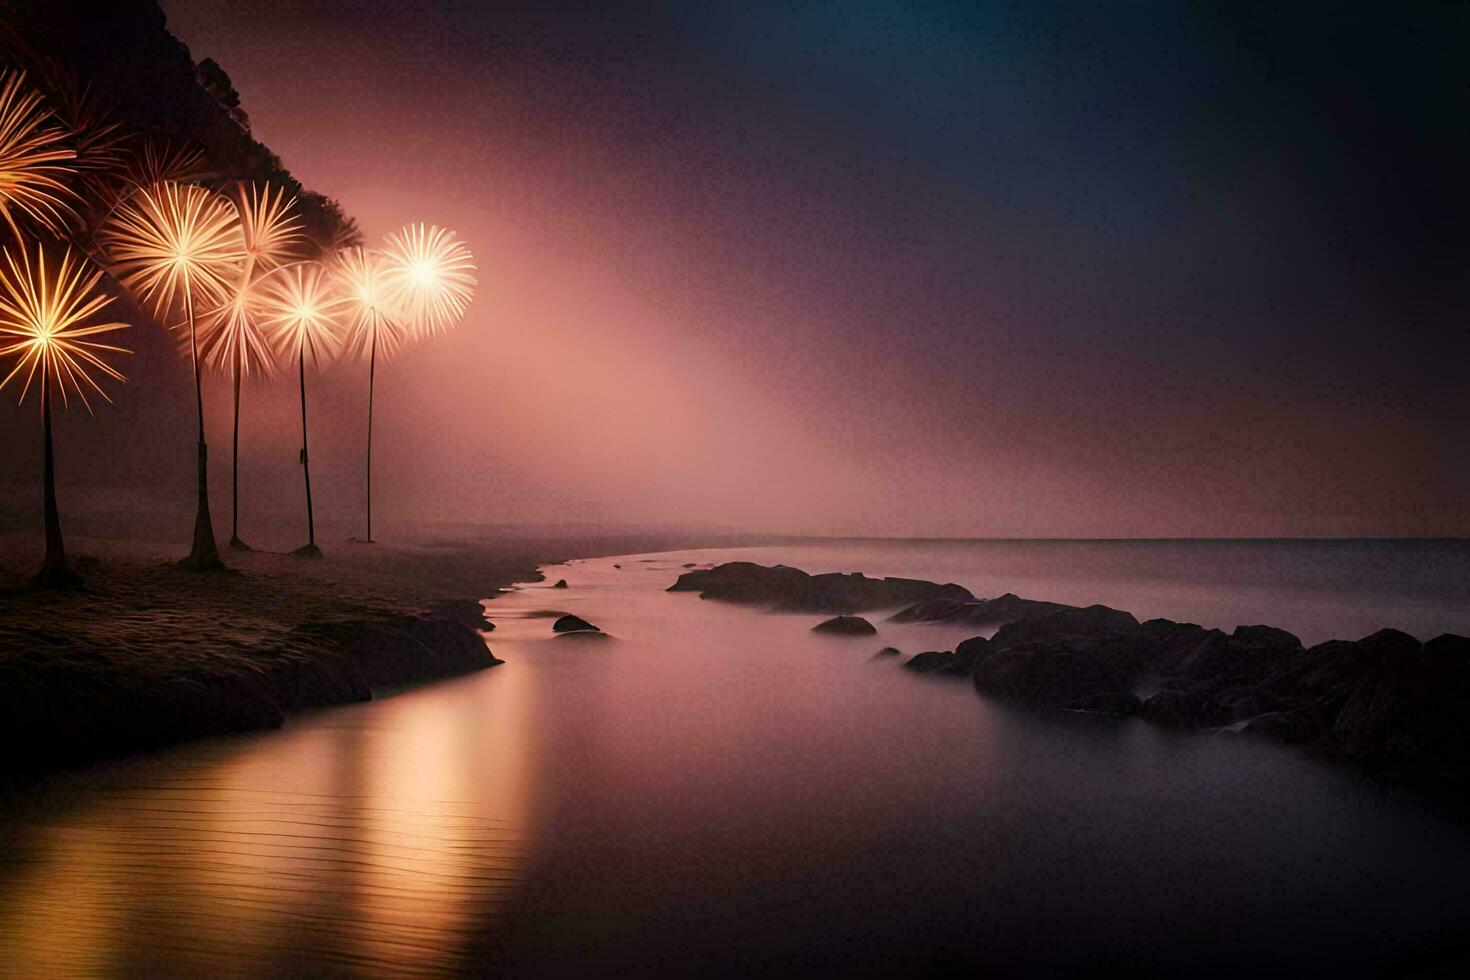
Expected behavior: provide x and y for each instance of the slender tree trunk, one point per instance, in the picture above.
(235, 541)
(53, 568)
(305, 460)
(372, 374)
(204, 554)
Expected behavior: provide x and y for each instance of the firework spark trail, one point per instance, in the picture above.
(33, 160)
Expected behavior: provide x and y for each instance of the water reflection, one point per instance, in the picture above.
(716, 790)
(377, 838)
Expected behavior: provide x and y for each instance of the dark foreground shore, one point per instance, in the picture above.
(1387, 703)
(147, 653)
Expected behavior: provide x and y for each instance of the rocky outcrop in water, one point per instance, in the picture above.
(959, 662)
(1387, 702)
(792, 590)
(845, 626)
(975, 612)
(573, 624)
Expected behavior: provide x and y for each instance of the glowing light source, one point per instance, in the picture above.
(269, 225)
(301, 307)
(232, 337)
(367, 287)
(44, 324)
(32, 155)
(372, 323)
(175, 242)
(302, 304)
(433, 275)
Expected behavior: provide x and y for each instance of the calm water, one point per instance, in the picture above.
(716, 789)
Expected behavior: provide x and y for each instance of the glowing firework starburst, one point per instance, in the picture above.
(433, 276)
(366, 282)
(301, 307)
(271, 230)
(231, 335)
(32, 155)
(44, 318)
(175, 242)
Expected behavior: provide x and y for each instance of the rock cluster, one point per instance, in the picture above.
(792, 590)
(1387, 702)
(846, 626)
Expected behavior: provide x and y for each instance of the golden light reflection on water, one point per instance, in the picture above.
(379, 838)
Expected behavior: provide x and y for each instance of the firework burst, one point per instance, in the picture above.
(45, 314)
(433, 276)
(172, 242)
(271, 230)
(232, 337)
(175, 242)
(48, 323)
(366, 281)
(301, 307)
(33, 160)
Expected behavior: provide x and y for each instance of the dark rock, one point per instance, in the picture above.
(846, 626)
(1171, 707)
(793, 590)
(1292, 727)
(1324, 673)
(1048, 672)
(1166, 644)
(1410, 713)
(1238, 704)
(1244, 658)
(929, 661)
(561, 583)
(960, 662)
(969, 653)
(932, 611)
(1004, 609)
(887, 652)
(573, 624)
(1108, 703)
(1093, 628)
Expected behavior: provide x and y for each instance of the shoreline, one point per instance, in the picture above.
(147, 654)
(1386, 704)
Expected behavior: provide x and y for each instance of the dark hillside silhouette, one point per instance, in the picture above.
(123, 52)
